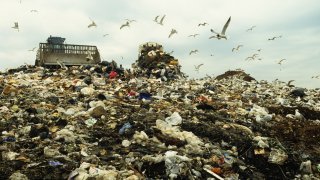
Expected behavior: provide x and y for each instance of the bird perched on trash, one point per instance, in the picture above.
(16, 26)
(125, 24)
(223, 32)
(93, 24)
(193, 35)
(193, 51)
(173, 31)
(250, 29)
(237, 48)
(298, 115)
(202, 24)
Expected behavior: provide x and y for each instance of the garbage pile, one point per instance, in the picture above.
(153, 61)
(79, 123)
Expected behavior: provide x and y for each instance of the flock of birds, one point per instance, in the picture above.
(160, 19)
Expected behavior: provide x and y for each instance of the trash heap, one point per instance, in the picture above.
(79, 123)
(153, 61)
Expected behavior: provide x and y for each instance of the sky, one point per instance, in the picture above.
(295, 22)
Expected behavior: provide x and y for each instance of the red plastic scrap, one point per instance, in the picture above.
(113, 75)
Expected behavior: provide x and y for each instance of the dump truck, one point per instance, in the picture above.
(55, 52)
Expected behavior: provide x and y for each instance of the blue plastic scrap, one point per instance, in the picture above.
(55, 163)
(144, 95)
(124, 128)
(9, 139)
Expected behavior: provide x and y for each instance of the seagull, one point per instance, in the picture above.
(156, 19)
(202, 24)
(274, 37)
(316, 77)
(250, 29)
(252, 57)
(289, 83)
(197, 67)
(89, 57)
(32, 49)
(161, 20)
(237, 48)
(223, 32)
(125, 24)
(280, 61)
(193, 51)
(259, 50)
(105, 35)
(173, 31)
(298, 115)
(92, 24)
(130, 20)
(16, 26)
(62, 65)
(193, 35)
(170, 52)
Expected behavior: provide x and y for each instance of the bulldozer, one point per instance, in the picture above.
(55, 52)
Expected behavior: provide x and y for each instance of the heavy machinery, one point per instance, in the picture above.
(55, 52)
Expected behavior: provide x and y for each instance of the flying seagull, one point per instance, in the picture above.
(173, 31)
(223, 32)
(315, 77)
(193, 35)
(156, 19)
(105, 35)
(92, 24)
(32, 49)
(202, 24)
(280, 61)
(289, 83)
(237, 48)
(34, 10)
(125, 24)
(193, 51)
(252, 57)
(16, 26)
(274, 37)
(250, 29)
(197, 67)
(130, 20)
(161, 20)
(170, 52)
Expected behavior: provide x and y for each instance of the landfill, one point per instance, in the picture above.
(152, 122)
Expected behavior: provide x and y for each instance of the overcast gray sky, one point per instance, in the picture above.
(297, 21)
